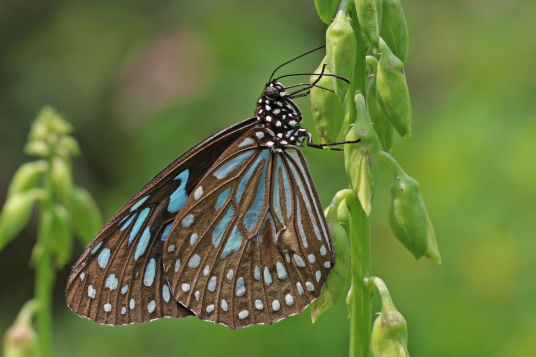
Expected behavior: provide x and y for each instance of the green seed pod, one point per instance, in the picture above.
(27, 177)
(382, 124)
(16, 213)
(393, 94)
(339, 277)
(85, 215)
(369, 13)
(325, 9)
(409, 219)
(362, 47)
(390, 331)
(61, 176)
(341, 49)
(361, 160)
(328, 111)
(394, 30)
(21, 339)
(61, 232)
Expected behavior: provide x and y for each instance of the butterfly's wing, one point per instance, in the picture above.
(252, 247)
(119, 279)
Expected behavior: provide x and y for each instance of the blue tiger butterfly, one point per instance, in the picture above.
(232, 231)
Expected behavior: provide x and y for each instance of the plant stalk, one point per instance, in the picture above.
(44, 277)
(361, 302)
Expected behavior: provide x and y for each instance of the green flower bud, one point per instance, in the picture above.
(328, 111)
(61, 176)
(61, 232)
(339, 277)
(70, 145)
(37, 148)
(382, 124)
(392, 89)
(369, 13)
(394, 30)
(409, 218)
(325, 9)
(341, 49)
(85, 215)
(16, 213)
(390, 331)
(361, 160)
(21, 340)
(343, 215)
(27, 177)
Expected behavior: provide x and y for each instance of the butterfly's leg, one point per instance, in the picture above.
(321, 146)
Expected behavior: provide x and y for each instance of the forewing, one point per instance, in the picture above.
(119, 279)
(237, 253)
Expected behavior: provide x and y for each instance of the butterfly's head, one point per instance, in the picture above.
(275, 109)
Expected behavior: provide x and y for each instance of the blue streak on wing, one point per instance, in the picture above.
(300, 225)
(232, 164)
(319, 212)
(276, 201)
(233, 243)
(288, 197)
(254, 212)
(179, 196)
(217, 234)
(166, 232)
(305, 196)
(150, 272)
(94, 250)
(247, 176)
(139, 203)
(142, 244)
(139, 222)
(127, 223)
(222, 198)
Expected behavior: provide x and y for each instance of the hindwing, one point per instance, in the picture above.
(251, 245)
(119, 279)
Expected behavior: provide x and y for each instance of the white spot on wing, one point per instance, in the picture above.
(91, 292)
(224, 305)
(318, 275)
(309, 286)
(107, 307)
(259, 134)
(210, 308)
(187, 220)
(289, 300)
(198, 192)
(246, 142)
(327, 265)
(276, 305)
(185, 287)
(151, 306)
(299, 261)
(194, 261)
(212, 284)
(311, 258)
(323, 250)
(259, 305)
(300, 288)
(267, 276)
(177, 265)
(132, 304)
(243, 314)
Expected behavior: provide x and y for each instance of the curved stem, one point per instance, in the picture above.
(392, 163)
(361, 300)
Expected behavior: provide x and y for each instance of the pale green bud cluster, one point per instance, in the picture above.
(64, 207)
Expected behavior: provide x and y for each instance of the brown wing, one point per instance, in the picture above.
(119, 279)
(252, 247)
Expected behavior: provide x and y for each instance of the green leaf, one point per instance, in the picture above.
(85, 215)
(62, 178)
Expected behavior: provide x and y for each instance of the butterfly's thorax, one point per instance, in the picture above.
(281, 116)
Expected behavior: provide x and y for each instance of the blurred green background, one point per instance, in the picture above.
(143, 81)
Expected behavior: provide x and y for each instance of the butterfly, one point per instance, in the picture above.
(232, 231)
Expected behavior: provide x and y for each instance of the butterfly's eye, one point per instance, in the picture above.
(271, 93)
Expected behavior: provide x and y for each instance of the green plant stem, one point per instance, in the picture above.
(361, 302)
(391, 162)
(44, 277)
